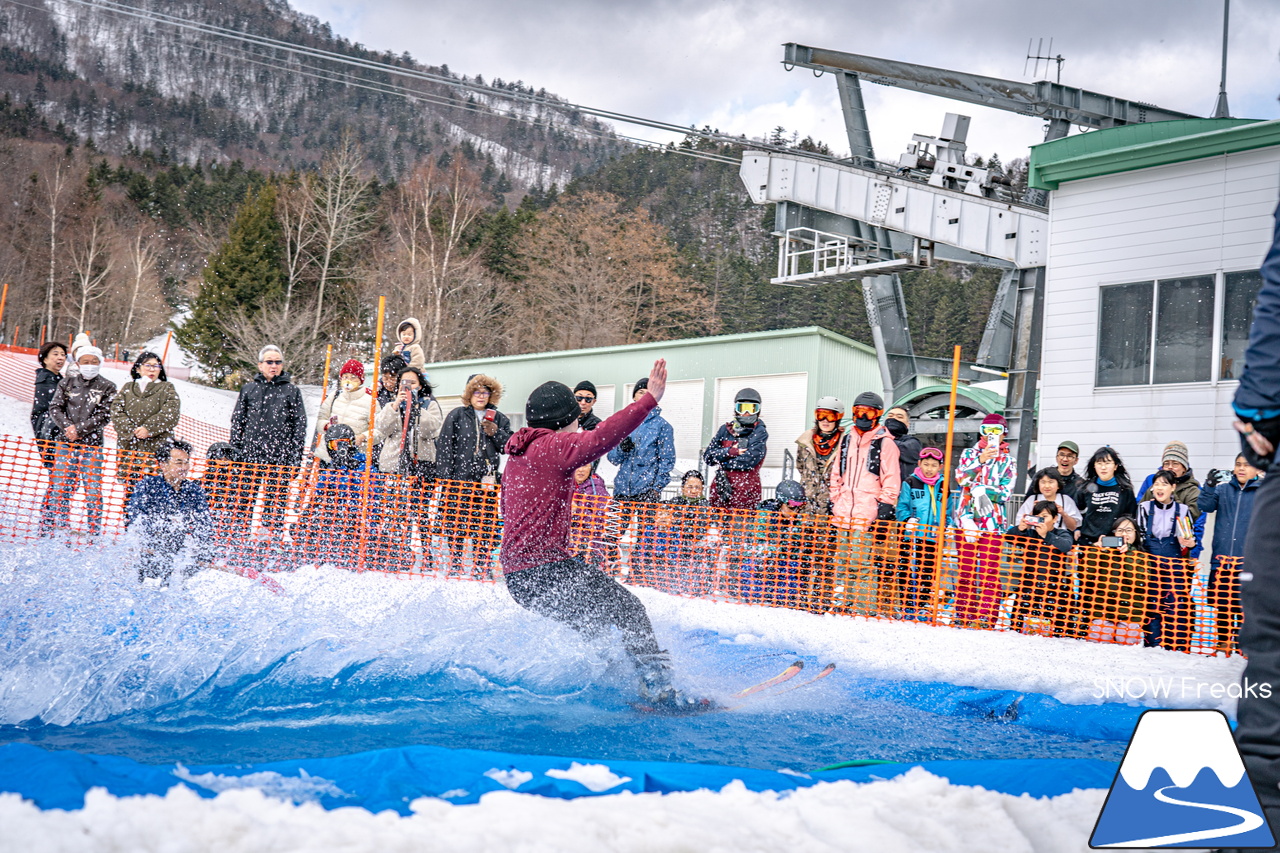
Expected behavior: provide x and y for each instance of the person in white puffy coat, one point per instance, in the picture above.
(350, 406)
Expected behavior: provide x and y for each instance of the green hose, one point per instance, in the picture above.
(857, 762)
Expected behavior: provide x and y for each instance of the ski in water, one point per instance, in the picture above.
(708, 706)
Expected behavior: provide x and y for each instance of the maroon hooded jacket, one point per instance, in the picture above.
(537, 485)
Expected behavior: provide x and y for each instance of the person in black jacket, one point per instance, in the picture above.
(1044, 587)
(1106, 495)
(53, 356)
(1257, 405)
(167, 508)
(898, 422)
(472, 438)
(585, 393)
(269, 431)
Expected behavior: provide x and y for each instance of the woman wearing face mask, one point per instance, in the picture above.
(985, 477)
(145, 413)
(350, 406)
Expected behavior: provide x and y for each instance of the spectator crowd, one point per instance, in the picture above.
(861, 527)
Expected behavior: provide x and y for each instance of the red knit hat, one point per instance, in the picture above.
(353, 367)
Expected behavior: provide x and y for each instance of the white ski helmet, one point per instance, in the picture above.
(831, 404)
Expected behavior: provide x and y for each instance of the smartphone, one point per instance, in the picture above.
(742, 445)
(490, 414)
(1110, 542)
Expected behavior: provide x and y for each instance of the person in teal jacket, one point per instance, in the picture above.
(920, 508)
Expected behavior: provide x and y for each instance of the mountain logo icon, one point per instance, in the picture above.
(1182, 783)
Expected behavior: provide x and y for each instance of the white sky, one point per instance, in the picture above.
(719, 63)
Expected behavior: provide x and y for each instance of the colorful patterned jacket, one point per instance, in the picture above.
(984, 487)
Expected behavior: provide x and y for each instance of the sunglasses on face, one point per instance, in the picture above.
(747, 408)
(269, 361)
(826, 415)
(483, 392)
(584, 398)
(867, 412)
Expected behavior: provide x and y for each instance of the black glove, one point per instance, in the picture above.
(885, 512)
(1269, 428)
(627, 445)
(1214, 478)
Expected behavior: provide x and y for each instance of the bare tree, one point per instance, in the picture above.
(342, 216)
(58, 180)
(141, 250)
(89, 250)
(247, 333)
(295, 211)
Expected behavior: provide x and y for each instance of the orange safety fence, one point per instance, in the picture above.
(17, 381)
(280, 517)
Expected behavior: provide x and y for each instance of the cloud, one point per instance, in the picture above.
(719, 63)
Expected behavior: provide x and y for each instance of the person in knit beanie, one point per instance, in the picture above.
(348, 405)
(1176, 459)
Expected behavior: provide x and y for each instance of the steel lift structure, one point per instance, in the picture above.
(864, 219)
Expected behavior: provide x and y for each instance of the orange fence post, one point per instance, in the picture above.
(4, 297)
(43, 327)
(368, 458)
(164, 356)
(117, 351)
(16, 329)
(946, 481)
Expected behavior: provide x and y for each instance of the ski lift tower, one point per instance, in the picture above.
(862, 218)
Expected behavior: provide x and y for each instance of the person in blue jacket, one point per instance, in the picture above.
(645, 459)
(164, 510)
(324, 535)
(1257, 405)
(1231, 497)
(920, 509)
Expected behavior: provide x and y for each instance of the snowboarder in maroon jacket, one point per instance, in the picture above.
(540, 570)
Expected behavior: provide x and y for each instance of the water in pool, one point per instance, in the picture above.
(222, 671)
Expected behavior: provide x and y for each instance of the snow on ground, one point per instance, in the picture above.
(914, 812)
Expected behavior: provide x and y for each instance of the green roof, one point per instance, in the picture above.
(666, 345)
(989, 400)
(1140, 146)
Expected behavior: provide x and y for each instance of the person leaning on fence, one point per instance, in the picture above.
(671, 554)
(407, 429)
(222, 488)
(644, 459)
(1230, 495)
(164, 510)
(738, 448)
(53, 357)
(1044, 584)
(590, 503)
(781, 551)
(269, 432)
(471, 440)
(349, 406)
(1046, 485)
(1106, 495)
(145, 413)
(81, 408)
(865, 482)
(1114, 585)
(349, 505)
(985, 477)
(920, 511)
(1167, 532)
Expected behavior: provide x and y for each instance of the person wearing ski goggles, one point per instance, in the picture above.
(864, 482)
(738, 450)
(815, 451)
(984, 476)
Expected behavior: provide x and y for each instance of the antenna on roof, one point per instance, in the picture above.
(1039, 56)
(1220, 109)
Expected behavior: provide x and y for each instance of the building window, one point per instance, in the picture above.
(1124, 358)
(1161, 332)
(1241, 293)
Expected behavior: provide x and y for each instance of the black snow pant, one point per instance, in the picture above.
(585, 599)
(1258, 734)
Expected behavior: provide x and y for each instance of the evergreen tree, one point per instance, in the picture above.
(244, 275)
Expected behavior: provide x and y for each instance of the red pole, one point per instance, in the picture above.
(117, 352)
(165, 355)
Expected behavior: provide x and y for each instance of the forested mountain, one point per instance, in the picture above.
(152, 171)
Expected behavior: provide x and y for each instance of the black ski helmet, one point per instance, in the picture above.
(747, 395)
(221, 451)
(340, 441)
(789, 490)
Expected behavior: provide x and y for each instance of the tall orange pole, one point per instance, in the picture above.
(164, 356)
(4, 297)
(16, 329)
(368, 454)
(117, 351)
(946, 480)
(43, 327)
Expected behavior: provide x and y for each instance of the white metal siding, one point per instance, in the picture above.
(784, 410)
(1192, 218)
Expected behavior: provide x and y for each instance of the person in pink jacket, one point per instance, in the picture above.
(864, 482)
(542, 574)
